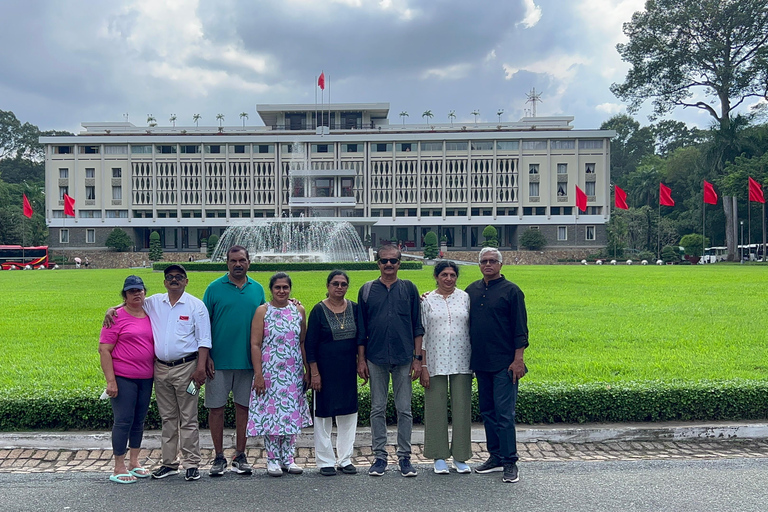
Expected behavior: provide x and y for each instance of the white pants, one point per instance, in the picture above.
(345, 440)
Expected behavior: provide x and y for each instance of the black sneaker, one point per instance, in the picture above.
(349, 469)
(240, 465)
(378, 468)
(328, 471)
(492, 465)
(192, 474)
(218, 467)
(164, 471)
(406, 469)
(510, 473)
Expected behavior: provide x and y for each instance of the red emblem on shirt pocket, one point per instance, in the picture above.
(183, 318)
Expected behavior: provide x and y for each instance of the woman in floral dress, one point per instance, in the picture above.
(278, 407)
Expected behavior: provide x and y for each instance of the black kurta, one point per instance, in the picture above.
(337, 363)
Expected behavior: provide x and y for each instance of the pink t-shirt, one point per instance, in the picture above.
(134, 354)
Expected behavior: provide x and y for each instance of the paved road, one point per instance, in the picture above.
(598, 486)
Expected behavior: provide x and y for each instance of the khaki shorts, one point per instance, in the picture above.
(217, 390)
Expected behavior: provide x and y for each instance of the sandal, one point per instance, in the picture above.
(139, 472)
(118, 479)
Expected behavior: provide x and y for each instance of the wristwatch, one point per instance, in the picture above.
(418, 357)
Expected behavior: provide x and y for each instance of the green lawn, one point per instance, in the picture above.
(588, 324)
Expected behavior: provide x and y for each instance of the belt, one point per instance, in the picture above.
(183, 360)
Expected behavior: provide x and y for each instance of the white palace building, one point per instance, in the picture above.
(392, 181)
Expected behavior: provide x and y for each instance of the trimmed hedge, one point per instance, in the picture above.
(537, 403)
(206, 266)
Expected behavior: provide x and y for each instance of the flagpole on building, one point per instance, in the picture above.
(658, 241)
(703, 227)
(749, 225)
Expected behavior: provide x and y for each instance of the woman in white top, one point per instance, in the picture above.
(446, 351)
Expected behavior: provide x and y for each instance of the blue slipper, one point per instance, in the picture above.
(139, 472)
(118, 479)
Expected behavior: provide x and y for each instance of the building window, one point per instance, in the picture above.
(562, 233)
(90, 193)
(508, 145)
(63, 150)
(431, 146)
(63, 174)
(381, 148)
(533, 189)
(89, 150)
(594, 210)
(115, 150)
(141, 150)
(533, 168)
(117, 214)
(239, 148)
(349, 148)
(62, 191)
(562, 168)
(190, 149)
(323, 187)
(590, 144)
(589, 188)
(322, 148)
(117, 172)
(562, 144)
(483, 145)
(90, 236)
(590, 233)
(562, 189)
(264, 148)
(535, 144)
(455, 146)
(117, 193)
(64, 236)
(215, 149)
(346, 187)
(90, 172)
(589, 168)
(166, 149)
(405, 147)
(90, 214)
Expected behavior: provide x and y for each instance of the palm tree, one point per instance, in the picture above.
(428, 114)
(403, 115)
(220, 119)
(173, 120)
(151, 121)
(196, 118)
(243, 116)
(475, 113)
(452, 116)
(498, 113)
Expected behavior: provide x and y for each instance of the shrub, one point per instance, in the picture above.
(155, 248)
(491, 237)
(669, 254)
(118, 240)
(430, 245)
(532, 239)
(212, 241)
(693, 244)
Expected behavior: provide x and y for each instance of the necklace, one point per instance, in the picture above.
(343, 315)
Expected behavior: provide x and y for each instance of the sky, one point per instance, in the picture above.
(70, 61)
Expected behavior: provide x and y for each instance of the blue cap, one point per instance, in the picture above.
(133, 283)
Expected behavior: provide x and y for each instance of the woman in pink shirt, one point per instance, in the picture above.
(127, 354)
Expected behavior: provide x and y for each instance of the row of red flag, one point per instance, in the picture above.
(69, 206)
(665, 195)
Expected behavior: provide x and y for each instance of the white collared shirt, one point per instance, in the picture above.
(179, 330)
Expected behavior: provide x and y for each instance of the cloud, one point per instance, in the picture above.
(532, 14)
(610, 108)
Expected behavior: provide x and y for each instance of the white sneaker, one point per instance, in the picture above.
(273, 468)
(292, 468)
(461, 467)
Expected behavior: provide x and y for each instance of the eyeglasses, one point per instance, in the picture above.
(339, 284)
(488, 262)
(175, 277)
(393, 261)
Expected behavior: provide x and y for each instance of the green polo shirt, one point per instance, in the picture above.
(231, 310)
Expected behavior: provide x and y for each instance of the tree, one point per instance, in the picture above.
(19, 140)
(705, 54)
(212, 241)
(196, 119)
(670, 254)
(244, 117)
(172, 119)
(403, 115)
(428, 114)
(693, 244)
(499, 113)
(475, 113)
(220, 119)
(452, 116)
(151, 121)
(155, 247)
(532, 239)
(491, 237)
(430, 245)
(630, 145)
(118, 240)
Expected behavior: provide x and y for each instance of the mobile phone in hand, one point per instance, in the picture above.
(192, 388)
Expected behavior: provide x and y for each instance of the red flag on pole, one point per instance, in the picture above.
(756, 192)
(321, 80)
(69, 206)
(27, 207)
(620, 200)
(710, 196)
(581, 199)
(665, 195)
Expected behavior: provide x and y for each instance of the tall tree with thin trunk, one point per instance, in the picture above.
(705, 54)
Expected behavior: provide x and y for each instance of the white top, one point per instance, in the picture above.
(446, 332)
(179, 330)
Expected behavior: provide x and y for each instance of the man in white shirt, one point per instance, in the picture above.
(182, 332)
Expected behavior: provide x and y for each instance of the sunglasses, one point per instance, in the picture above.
(176, 277)
(393, 261)
(488, 262)
(339, 284)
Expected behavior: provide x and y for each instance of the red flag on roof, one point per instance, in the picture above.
(665, 195)
(620, 199)
(756, 192)
(321, 81)
(69, 206)
(710, 196)
(581, 199)
(27, 208)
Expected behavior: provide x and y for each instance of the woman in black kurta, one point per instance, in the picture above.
(331, 347)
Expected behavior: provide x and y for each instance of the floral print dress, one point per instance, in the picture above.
(283, 409)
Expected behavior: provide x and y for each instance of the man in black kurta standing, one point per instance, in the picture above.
(498, 329)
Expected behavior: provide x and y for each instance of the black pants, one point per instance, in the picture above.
(129, 408)
(497, 397)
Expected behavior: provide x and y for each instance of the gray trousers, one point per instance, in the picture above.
(436, 417)
(403, 390)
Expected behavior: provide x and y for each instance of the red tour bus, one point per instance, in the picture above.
(19, 257)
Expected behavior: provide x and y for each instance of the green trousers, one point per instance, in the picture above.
(436, 444)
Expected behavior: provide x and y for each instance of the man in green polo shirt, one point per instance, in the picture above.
(231, 301)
